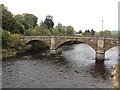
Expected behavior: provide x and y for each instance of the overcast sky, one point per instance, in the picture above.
(81, 14)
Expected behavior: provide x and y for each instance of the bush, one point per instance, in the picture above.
(5, 38)
(15, 42)
(37, 31)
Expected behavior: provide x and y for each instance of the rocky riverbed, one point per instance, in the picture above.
(74, 68)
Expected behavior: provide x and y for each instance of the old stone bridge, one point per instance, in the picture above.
(100, 45)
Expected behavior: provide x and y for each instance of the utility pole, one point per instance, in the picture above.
(102, 29)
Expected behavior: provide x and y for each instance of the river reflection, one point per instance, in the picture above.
(99, 70)
(74, 68)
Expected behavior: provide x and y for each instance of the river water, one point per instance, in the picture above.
(73, 68)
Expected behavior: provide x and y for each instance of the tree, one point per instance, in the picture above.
(8, 21)
(87, 33)
(42, 30)
(49, 21)
(55, 31)
(18, 28)
(37, 31)
(107, 33)
(30, 19)
(43, 24)
(70, 30)
(20, 23)
(96, 34)
(27, 20)
(80, 32)
(5, 38)
(101, 33)
(92, 32)
(60, 28)
(17, 44)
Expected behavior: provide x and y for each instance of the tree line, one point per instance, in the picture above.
(12, 27)
(26, 24)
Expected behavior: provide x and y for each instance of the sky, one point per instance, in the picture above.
(81, 14)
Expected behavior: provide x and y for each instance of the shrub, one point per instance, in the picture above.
(15, 42)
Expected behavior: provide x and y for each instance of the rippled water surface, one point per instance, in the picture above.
(74, 68)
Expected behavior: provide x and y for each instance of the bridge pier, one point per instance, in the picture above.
(100, 57)
(100, 54)
(52, 47)
(53, 51)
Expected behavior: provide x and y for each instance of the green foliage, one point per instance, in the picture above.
(1, 32)
(0, 39)
(8, 22)
(61, 29)
(92, 32)
(42, 31)
(107, 33)
(96, 34)
(37, 31)
(80, 32)
(87, 33)
(28, 32)
(69, 30)
(30, 20)
(17, 23)
(49, 22)
(101, 33)
(5, 38)
(26, 21)
(55, 32)
(44, 25)
(15, 42)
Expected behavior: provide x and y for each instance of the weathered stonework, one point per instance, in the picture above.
(100, 45)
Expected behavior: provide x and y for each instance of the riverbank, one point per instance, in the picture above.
(116, 77)
(6, 53)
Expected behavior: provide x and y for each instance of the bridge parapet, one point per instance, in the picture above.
(110, 42)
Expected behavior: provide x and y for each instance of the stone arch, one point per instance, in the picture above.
(35, 46)
(79, 41)
(67, 43)
(43, 42)
(31, 45)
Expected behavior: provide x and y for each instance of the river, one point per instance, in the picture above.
(73, 68)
